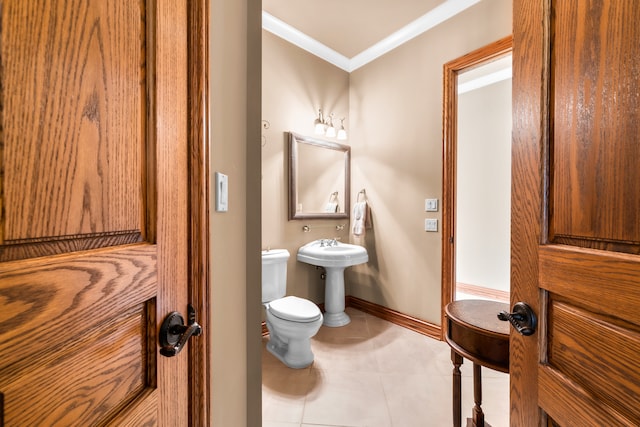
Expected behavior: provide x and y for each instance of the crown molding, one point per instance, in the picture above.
(435, 17)
(483, 81)
(303, 41)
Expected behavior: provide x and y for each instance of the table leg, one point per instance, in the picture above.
(457, 389)
(478, 415)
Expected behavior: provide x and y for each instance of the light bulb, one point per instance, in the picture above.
(319, 124)
(342, 134)
(331, 131)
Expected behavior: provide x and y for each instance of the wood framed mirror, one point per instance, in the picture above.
(319, 178)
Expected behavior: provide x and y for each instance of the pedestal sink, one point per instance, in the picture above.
(334, 256)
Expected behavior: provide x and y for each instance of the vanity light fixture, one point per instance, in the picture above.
(331, 131)
(319, 124)
(325, 127)
(342, 134)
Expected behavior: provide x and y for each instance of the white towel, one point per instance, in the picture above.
(359, 218)
(331, 207)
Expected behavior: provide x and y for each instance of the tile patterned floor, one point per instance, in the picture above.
(376, 374)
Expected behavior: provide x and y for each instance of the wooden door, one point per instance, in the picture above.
(576, 212)
(94, 226)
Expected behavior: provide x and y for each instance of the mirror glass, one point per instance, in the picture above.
(319, 177)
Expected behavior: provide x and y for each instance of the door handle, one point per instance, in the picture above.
(523, 318)
(174, 334)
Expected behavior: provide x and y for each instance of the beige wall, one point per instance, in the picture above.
(393, 107)
(295, 84)
(396, 137)
(235, 235)
(395, 131)
(483, 207)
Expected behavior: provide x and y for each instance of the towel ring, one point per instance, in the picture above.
(364, 193)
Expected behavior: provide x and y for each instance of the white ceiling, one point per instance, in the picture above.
(350, 33)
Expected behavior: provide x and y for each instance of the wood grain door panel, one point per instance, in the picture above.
(595, 73)
(576, 212)
(595, 353)
(592, 334)
(87, 366)
(94, 201)
(568, 404)
(74, 138)
(47, 306)
(604, 282)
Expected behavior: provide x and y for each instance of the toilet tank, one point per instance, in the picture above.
(274, 274)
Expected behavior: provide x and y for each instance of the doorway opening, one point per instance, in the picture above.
(476, 175)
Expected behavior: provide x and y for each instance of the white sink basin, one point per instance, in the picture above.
(334, 257)
(320, 253)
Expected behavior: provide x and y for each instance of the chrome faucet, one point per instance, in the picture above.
(329, 242)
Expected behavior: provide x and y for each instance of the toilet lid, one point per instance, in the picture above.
(294, 309)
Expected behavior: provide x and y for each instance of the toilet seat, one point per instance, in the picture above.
(295, 309)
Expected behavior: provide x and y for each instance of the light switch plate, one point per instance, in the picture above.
(222, 192)
(431, 205)
(430, 224)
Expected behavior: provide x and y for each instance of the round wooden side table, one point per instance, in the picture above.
(475, 332)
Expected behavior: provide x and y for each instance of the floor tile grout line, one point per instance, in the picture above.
(368, 329)
(386, 400)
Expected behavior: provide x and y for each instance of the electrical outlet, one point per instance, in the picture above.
(430, 224)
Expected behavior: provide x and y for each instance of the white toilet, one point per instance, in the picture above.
(291, 321)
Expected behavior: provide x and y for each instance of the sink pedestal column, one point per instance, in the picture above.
(334, 315)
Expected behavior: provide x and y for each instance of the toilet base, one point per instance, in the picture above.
(290, 342)
(295, 354)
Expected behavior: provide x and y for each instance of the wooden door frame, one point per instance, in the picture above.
(198, 175)
(530, 139)
(449, 157)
